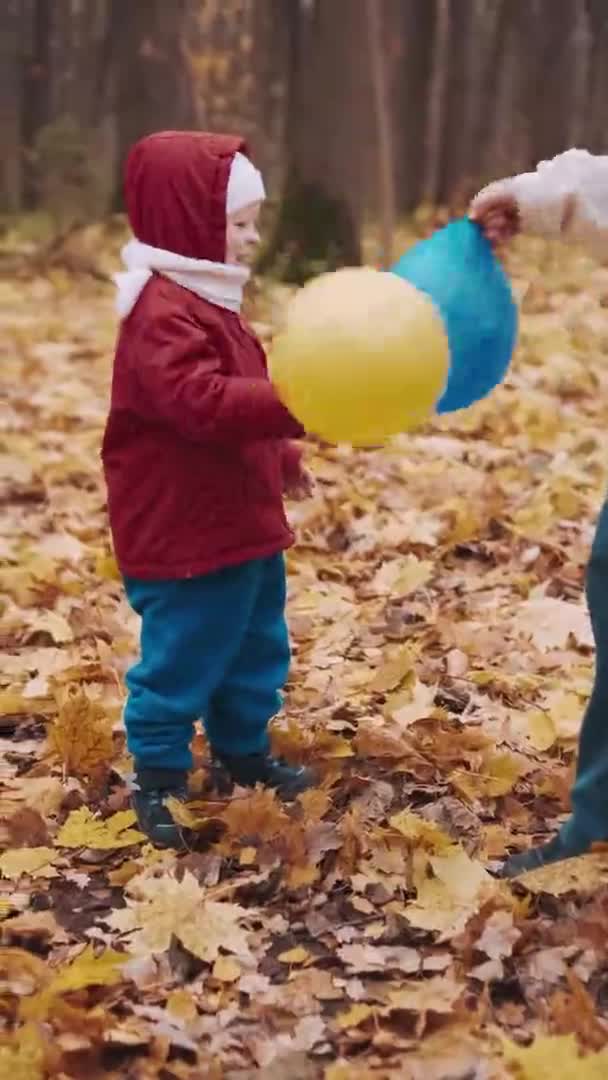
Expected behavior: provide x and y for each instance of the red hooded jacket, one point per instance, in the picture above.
(194, 449)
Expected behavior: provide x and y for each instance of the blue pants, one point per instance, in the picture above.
(214, 647)
(589, 821)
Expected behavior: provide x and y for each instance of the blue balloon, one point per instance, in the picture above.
(458, 270)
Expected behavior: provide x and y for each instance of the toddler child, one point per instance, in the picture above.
(197, 459)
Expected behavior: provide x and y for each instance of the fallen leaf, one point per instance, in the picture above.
(354, 1017)
(83, 829)
(437, 995)
(557, 1057)
(22, 1055)
(295, 956)
(34, 862)
(226, 969)
(550, 622)
(159, 909)
(585, 874)
(81, 734)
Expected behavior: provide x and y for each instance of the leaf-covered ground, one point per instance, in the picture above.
(442, 661)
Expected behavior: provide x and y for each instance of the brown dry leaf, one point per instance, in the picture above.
(437, 995)
(81, 734)
(368, 958)
(34, 927)
(257, 815)
(21, 972)
(42, 793)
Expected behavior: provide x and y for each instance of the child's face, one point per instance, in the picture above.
(242, 236)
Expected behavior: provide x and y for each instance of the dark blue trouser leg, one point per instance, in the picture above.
(215, 647)
(589, 821)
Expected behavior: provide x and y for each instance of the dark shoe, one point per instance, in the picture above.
(153, 817)
(543, 855)
(251, 769)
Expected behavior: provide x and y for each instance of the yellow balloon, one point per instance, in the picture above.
(363, 356)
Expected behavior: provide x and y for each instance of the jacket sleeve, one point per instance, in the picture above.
(566, 197)
(182, 383)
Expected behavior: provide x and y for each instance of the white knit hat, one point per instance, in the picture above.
(245, 185)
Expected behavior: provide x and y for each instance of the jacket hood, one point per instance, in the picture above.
(176, 184)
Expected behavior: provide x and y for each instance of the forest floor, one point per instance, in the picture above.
(442, 659)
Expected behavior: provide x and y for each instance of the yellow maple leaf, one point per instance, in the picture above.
(298, 955)
(448, 897)
(353, 1017)
(160, 908)
(89, 969)
(393, 672)
(226, 969)
(401, 576)
(498, 775)
(22, 1055)
(414, 703)
(86, 970)
(557, 1057)
(181, 1005)
(33, 862)
(106, 568)
(186, 814)
(585, 874)
(81, 735)
(82, 829)
(425, 833)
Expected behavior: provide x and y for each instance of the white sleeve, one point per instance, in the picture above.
(566, 197)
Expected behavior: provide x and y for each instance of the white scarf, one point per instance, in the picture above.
(219, 283)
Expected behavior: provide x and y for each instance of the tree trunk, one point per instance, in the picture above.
(152, 78)
(327, 140)
(411, 36)
(437, 102)
(36, 98)
(386, 166)
(11, 29)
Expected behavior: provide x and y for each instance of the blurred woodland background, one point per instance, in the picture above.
(355, 109)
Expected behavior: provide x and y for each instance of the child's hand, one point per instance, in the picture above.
(300, 485)
(497, 214)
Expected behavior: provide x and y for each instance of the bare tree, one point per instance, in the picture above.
(10, 102)
(149, 70)
(327, 136)
(36, 86)
(384, 128)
